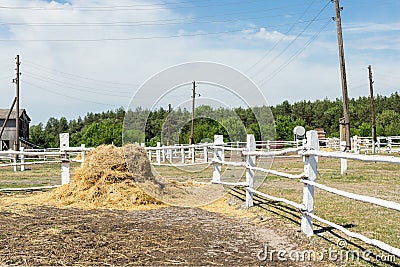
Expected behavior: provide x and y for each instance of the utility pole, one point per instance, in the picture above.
(371, 91)
(191, 138)
(16, 81)
(345, 96)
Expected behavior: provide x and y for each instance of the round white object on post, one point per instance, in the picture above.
(299, 130)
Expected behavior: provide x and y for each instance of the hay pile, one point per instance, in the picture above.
(107, 180)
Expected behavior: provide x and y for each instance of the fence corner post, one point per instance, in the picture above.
(218, 143)
(22, 159)
(250, 162)
(311, 171)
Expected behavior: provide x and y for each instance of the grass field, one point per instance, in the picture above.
(381, 180)
(372, 179)
(35, 175)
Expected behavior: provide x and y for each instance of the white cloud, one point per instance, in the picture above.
(272, 36)
(313, 74)
(371, 27)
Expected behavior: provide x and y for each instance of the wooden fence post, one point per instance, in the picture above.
(250, 162)
(205, 151)
(193, 151)
(163, 154)
(218, 155)
(343, 162)
(158, 153)
(171, 155)
(65, 161)
(83, 153)
(150, 155)
(182, 154)
(22, 159)
(65, 176)
(354, 144)
(311, 171)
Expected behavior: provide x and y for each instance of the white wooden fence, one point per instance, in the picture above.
(25, 157)
(310, 153)
(359, 145)
(187, 155)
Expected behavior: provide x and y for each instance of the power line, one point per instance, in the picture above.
(296, 38)
(287, 62)
(123, 39)
(280, 40)
(79, 88)
(138, 23)
(139, 37)
(68, 96)
(74, 76)
(125, 8)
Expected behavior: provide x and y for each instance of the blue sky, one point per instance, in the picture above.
(80, 56)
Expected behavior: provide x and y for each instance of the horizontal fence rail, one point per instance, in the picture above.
(62, 155)
(310, 152)
(244, 155)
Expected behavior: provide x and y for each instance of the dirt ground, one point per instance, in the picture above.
(44, 235)
(166, 236)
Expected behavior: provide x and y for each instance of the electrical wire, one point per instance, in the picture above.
(137, 37)
(122, 39)
(280, 40)
(79, 88)
(294, 39)
(112, 84)
(287, 62)
(139, 23)
(68, 96)
(125, 8)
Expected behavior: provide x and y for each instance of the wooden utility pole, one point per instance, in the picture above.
(345, 96)
(191, 138)
(371, 91)
(16, 80)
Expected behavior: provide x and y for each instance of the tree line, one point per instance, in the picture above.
(267, 123)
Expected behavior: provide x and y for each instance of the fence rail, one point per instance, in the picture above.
(190, 155)
(61, 155)
(310, 153)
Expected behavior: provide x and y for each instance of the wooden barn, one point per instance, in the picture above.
(7, 134)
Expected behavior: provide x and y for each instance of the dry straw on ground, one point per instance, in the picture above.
(106, 181)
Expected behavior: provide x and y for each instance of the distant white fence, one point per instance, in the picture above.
(310, 153)
(359, 145)
(25, 157)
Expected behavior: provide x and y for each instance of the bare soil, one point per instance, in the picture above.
(166, 236)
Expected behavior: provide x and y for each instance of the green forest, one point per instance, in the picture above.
(161, 125)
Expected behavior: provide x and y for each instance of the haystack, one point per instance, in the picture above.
(108, 180)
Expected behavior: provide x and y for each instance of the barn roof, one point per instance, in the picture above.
(22, 112)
